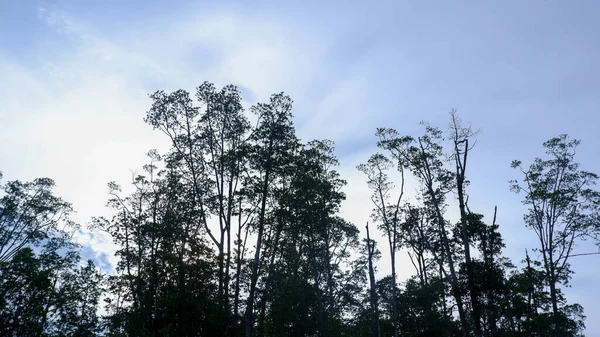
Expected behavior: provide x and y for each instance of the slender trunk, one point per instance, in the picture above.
(394, 290)
(181, 292)
(318, 291)
(221, 265)
(263, 300)
(460, 178)
(226, 284)
(424, 270)
(227, 260)
(531, 302)
(491, 298)
(529, 288)
(241, 248)
(441, 275)
(249, 317)
(391, 233)
(422, 249)
(427, 174)
(230, 206)
(553, 298)
(47, 306)
(153, 272)
(453, 278)
(551, 272)
(373, 290)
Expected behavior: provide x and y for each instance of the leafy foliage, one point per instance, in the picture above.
(43, 291)
(236, 231)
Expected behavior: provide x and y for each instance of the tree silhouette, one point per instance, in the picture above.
(236, 231)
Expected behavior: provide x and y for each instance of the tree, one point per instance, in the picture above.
(46, 294)
(269, 184)
(417, 232)
(420, 313)
(387, 214)
(223, 132)
(461, 135)
(424, 157)
(564, 209)
(272, 140)
(77, 302)
(310, 281)
(29, 215)
(25, 288)
(373, 301)
(38, 263)
(210, 144)
(164, 284)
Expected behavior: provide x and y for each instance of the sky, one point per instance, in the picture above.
(75, 78)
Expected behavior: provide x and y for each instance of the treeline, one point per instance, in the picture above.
(235, 231)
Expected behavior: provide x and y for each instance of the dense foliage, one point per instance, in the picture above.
(236, 231)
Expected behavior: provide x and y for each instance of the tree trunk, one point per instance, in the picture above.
(249, 317)
(394, 291)
(551, 272)
(373, 290)
(460, 178)
(444, 237)
(491, 298)
(453, 278)
(553, 298)
(241, 249)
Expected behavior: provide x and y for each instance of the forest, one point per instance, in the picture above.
(236, 231)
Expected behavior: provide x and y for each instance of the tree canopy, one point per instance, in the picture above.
(236, 231)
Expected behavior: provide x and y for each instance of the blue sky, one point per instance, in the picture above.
(76, 74)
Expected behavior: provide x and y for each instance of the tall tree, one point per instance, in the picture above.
(208, 142)
(564, 209)
(308, 247)
(424, 157)
(272, 140)
(223, 132)
(461, 135)
(388, 214)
